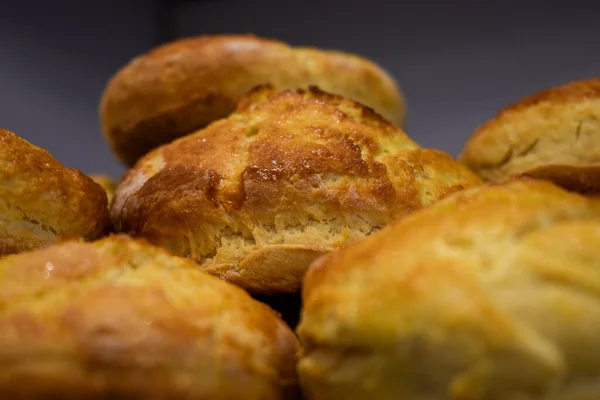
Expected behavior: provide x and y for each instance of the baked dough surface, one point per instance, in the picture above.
(108, 184)
(42, 201)
(120, 319)
(182, 86)
(553, 135)
(291, 175)
(491, 294)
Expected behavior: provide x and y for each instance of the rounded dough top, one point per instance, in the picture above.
(119, 318)
(184, 85)
(42, 201)
(553, 135)
(492, 293)
(290, 175)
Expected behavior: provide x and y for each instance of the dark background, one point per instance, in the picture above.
(457, 62)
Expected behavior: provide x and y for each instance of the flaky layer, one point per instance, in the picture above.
(291, 175)
(41, 200)
(492, 293)
(552, 135)
(182, 86)
(122, 319)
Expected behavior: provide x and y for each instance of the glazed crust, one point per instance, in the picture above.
(291, 175)
(490, 294)
(553, 135)
(41, 200)
(120, 319)
(182, 86)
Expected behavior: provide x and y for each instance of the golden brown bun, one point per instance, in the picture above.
(291, 175)
(118, 319)
(41, 200)
(553, 135)
(491, 294)
(184, 85)
(107, 183)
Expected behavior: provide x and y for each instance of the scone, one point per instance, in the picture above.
(553, 135)
(254, 198)
(184, 85)
(107, 183)
(41, 200)
(491, 294)
(118, 319)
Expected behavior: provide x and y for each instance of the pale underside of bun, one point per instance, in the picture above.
(42, 201)
(120, 319)
(291, 175)
(553, 135)
(185, 85)
(491, 294)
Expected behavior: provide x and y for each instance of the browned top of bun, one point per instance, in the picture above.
(184, 85)
(554, 135)
(41, 200)
(491, 293)
(290, 175)
(120, 319)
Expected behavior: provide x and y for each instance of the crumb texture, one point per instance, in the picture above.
(291, 175)
(493, 293)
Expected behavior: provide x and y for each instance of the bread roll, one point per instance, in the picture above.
(41, 200)
(184, 85)
(553, 135)
(118, 319)
(291, 175)
(491, 294)
(107, 183)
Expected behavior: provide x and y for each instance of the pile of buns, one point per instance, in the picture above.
(278, 236)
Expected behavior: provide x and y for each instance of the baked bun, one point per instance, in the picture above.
(256, 197)
(491, 294)
(553, 135)
(184, 85)
(117, 319)
(41, 200)
(107, 183)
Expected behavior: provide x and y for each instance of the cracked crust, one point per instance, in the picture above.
(185, 85)
(42, 201)
(492, 293)
(554, 135)
(120, 319)
(291, 175)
